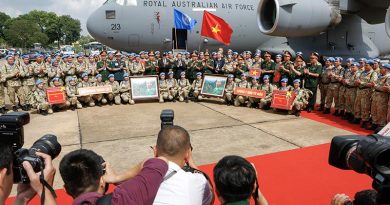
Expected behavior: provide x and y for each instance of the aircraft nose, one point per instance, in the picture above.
(95, 26)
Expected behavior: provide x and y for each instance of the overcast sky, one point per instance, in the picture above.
(78, 9)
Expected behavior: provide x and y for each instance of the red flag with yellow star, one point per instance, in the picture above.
(216, 28)
(254, 72)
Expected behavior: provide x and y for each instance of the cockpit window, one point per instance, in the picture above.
(110, 14)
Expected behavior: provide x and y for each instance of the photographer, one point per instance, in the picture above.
(86, 177)
(183, 183)
(25, 192)
(236, 182)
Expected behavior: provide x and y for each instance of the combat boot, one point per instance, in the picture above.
(24, 107)
(321, 108)
(336, 113)
(2, 110)
(297, 113)
(327, 111)
(346, 116)
(341, 114)
(364, 124)
(15, 108)
(372, 127)
(43, 112)
(186, 99)
(356, 120)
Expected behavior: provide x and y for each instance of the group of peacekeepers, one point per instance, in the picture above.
(358, 90)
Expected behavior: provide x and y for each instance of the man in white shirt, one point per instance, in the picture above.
(179, 186)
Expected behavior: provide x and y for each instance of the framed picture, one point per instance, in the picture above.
(213, 85)
(144, 87)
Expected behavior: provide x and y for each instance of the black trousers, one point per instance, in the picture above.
(313, 98)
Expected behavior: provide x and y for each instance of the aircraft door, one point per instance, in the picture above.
(179, 37)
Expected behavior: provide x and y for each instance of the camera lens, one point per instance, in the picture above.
(47, 144)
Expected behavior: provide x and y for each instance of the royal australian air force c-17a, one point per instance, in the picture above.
(356, 28)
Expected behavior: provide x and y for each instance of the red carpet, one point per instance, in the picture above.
(334, 121)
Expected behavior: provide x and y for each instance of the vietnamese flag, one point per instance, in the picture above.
(254, 72)
(216, 28)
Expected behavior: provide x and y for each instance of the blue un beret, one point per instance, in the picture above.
(125, 75)
(297, 81)
(266, 77)
(370, 62)
(162, 74)
(39, 81)
(84, 75)
(111, 76)
(55, 79)
(230, 76)
(198, 74)
(387, 66)
(98, 75)
(331, 59)
(284, 80)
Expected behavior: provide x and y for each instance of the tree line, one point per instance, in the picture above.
(38, 27)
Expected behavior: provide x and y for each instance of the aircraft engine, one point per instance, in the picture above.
(296, 18)
(387, 22)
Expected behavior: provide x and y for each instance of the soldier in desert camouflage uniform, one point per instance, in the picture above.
(197, 86)
(380, 98)
(99, 98)
(28, 82)
(11, 73)
(268, 88)
(87, 100)
(362, 106)
(115, 95)
(40, 70)
(41, 103)
(333, 89)
(239, 100)
(125, 89)
(184, 87)
(229, 90)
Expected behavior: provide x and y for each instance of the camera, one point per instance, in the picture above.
(12, 133)
(367, 155)
(167, 117)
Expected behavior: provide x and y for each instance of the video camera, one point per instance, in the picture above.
(167, 117)
(367, 155)
(12, 134)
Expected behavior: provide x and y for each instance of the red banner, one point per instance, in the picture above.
(282, 99)
(254, 72)
(56, 95)
(250, 92)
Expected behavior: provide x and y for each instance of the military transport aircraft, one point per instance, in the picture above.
(358, 28)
